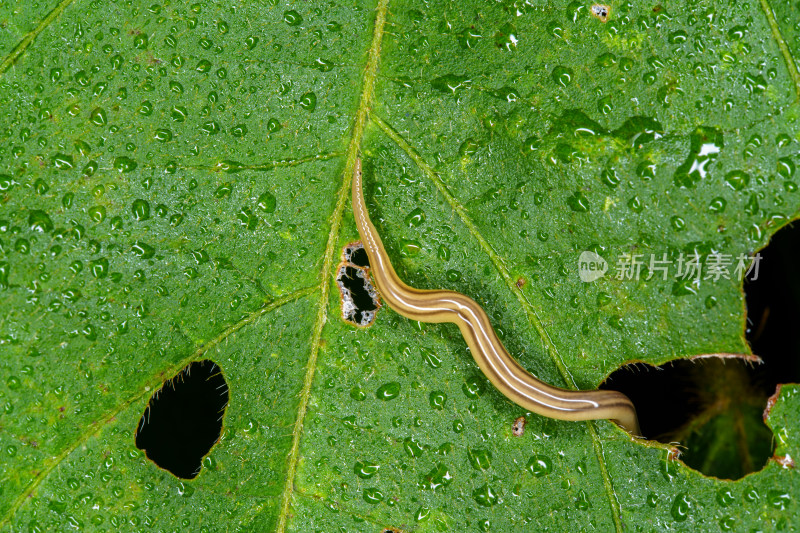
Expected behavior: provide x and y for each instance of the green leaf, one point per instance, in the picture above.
(174, 186)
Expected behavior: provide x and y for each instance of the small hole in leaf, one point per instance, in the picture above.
(360, 300)
(715, 406)
(183, 419)
(356, 254)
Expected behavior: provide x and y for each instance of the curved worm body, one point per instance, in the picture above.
(505, 373)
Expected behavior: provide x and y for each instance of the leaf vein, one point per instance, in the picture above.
(31, 35)
(327, 264)
(791, 65)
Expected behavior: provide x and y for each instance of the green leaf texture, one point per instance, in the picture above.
(174, 186)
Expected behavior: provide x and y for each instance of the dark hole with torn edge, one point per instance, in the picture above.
(360, 301)
(356, 254)
(715, 405)
(183, 419)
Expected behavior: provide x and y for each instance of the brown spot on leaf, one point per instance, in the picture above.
(771, 402)
(518, 427)
(521, 283)
(601, 12)
(785, 461)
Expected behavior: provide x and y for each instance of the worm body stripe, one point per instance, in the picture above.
(505, 373)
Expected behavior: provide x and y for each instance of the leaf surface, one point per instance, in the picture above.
(175, 187)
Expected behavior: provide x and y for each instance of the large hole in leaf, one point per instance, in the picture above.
(183, 419)
(713, 406)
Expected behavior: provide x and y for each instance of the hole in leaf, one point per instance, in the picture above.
(356, 254)
(360, 300)
(773, 306)
(714, 406)
(183, 419)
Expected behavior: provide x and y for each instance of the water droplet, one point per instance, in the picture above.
(388, 391)
(479, 458)
(366, 469)
(727, 523)
(737, 32)
(308, 101)
(473, 387)
(125, 164)
(677, 223)
(267, 202)
(705, 145)
(292, 18)
(485, 496)
(13, 382)
(652, 500)
(143, 250)
(786, 168)
(373, 496)
(163, 135)
(540, 465)
(415, 218)
(606, 60)
(680, 507)
(251, 42)
(140, 41)
(140, 209)
(430, 358)
(737, 179)
(468, 38)
(97, 213)
(717, 205)
(610, 177)
(677, 37)
(63, 161)
(450, 83)
(210, 127)
(40, 221)
(223, 191)
(99, 268)
(437, 399)
(578, 202)
(562, 75)
(582, 501)
(358, 394)
(439, 476)
(506, 94)
(412, 447)
(506, 37)
(646, 170)
(725, 497)
(239, 131)
(468, 148)
(779, 499)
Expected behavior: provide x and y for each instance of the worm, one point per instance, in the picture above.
(502, 370)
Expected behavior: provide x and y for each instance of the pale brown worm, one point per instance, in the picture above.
(502, 370)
